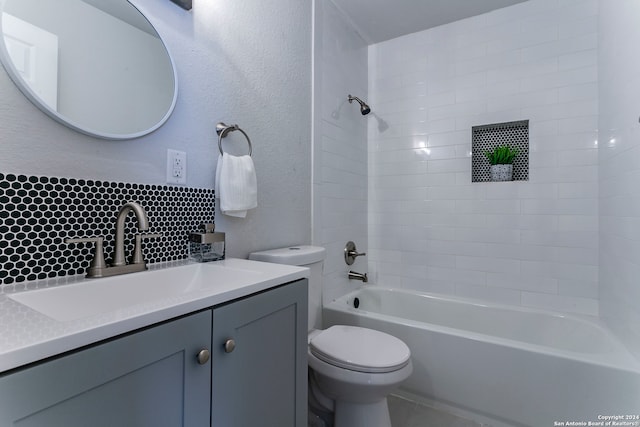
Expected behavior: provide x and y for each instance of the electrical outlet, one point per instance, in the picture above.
(176, 167)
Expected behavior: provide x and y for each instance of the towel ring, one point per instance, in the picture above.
(222, 130)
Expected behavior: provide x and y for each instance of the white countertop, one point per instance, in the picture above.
(27, 335)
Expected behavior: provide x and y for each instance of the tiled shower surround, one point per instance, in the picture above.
(38, 213)
(619, 169)
(340, 155)
(531, 243)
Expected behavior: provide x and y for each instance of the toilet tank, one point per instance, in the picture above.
(311, 257)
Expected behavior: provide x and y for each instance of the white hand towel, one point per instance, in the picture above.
(236, 185)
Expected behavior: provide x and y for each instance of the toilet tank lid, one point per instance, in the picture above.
(292, 255)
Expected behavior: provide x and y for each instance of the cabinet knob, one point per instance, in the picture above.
(229, 345)
(203, 356)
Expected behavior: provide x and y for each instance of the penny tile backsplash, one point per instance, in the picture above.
(38, 213)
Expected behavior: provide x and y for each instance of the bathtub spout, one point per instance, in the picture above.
(358, 276)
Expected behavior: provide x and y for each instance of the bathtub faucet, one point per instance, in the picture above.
(358, 276)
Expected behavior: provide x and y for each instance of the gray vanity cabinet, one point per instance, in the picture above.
(150, 378)
(154, 378)
(260, 360)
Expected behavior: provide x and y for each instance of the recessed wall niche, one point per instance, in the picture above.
(37, 214)
(487, 137)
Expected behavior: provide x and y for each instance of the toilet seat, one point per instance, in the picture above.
(360, 349)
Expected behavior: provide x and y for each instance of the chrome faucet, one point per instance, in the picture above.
(358, 276)
(98, 267)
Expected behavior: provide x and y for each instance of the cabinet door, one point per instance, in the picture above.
(150, 378)
(263, 381)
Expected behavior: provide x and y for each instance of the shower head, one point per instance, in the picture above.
(364, 108)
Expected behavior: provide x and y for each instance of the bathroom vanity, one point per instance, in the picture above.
(227, 353)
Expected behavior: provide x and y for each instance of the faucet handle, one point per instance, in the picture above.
(351, 253)
(97, 263)
(136, 258)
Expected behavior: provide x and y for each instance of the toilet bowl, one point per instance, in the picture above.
(356, 368)
(351, 369)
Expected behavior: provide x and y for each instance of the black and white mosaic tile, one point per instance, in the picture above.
(37, 214)
(487, 137)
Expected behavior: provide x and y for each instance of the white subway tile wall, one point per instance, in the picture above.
(529, 243)
(340, 150)
(619, 170)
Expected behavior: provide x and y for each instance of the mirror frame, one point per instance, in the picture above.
(55, 115)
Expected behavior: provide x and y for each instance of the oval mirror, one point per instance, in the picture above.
(97, 66)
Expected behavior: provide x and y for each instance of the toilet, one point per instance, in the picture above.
(351, 369)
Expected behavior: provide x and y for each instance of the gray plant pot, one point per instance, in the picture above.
(501, 172)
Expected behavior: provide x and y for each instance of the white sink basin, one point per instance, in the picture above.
(96, 296)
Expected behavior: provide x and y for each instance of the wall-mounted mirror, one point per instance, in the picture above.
(97, 66)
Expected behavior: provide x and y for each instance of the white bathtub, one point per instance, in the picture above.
(516, 365)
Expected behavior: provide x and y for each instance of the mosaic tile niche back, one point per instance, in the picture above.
(38, 213)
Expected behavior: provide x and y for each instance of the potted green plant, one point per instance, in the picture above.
(501, 160)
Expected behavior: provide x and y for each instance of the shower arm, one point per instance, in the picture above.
(360, 101)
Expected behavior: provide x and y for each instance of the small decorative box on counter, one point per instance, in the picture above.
(207, 245)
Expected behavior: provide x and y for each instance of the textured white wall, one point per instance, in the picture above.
(619, 169)
(531, 243)
(243, 62)
(340, 148)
